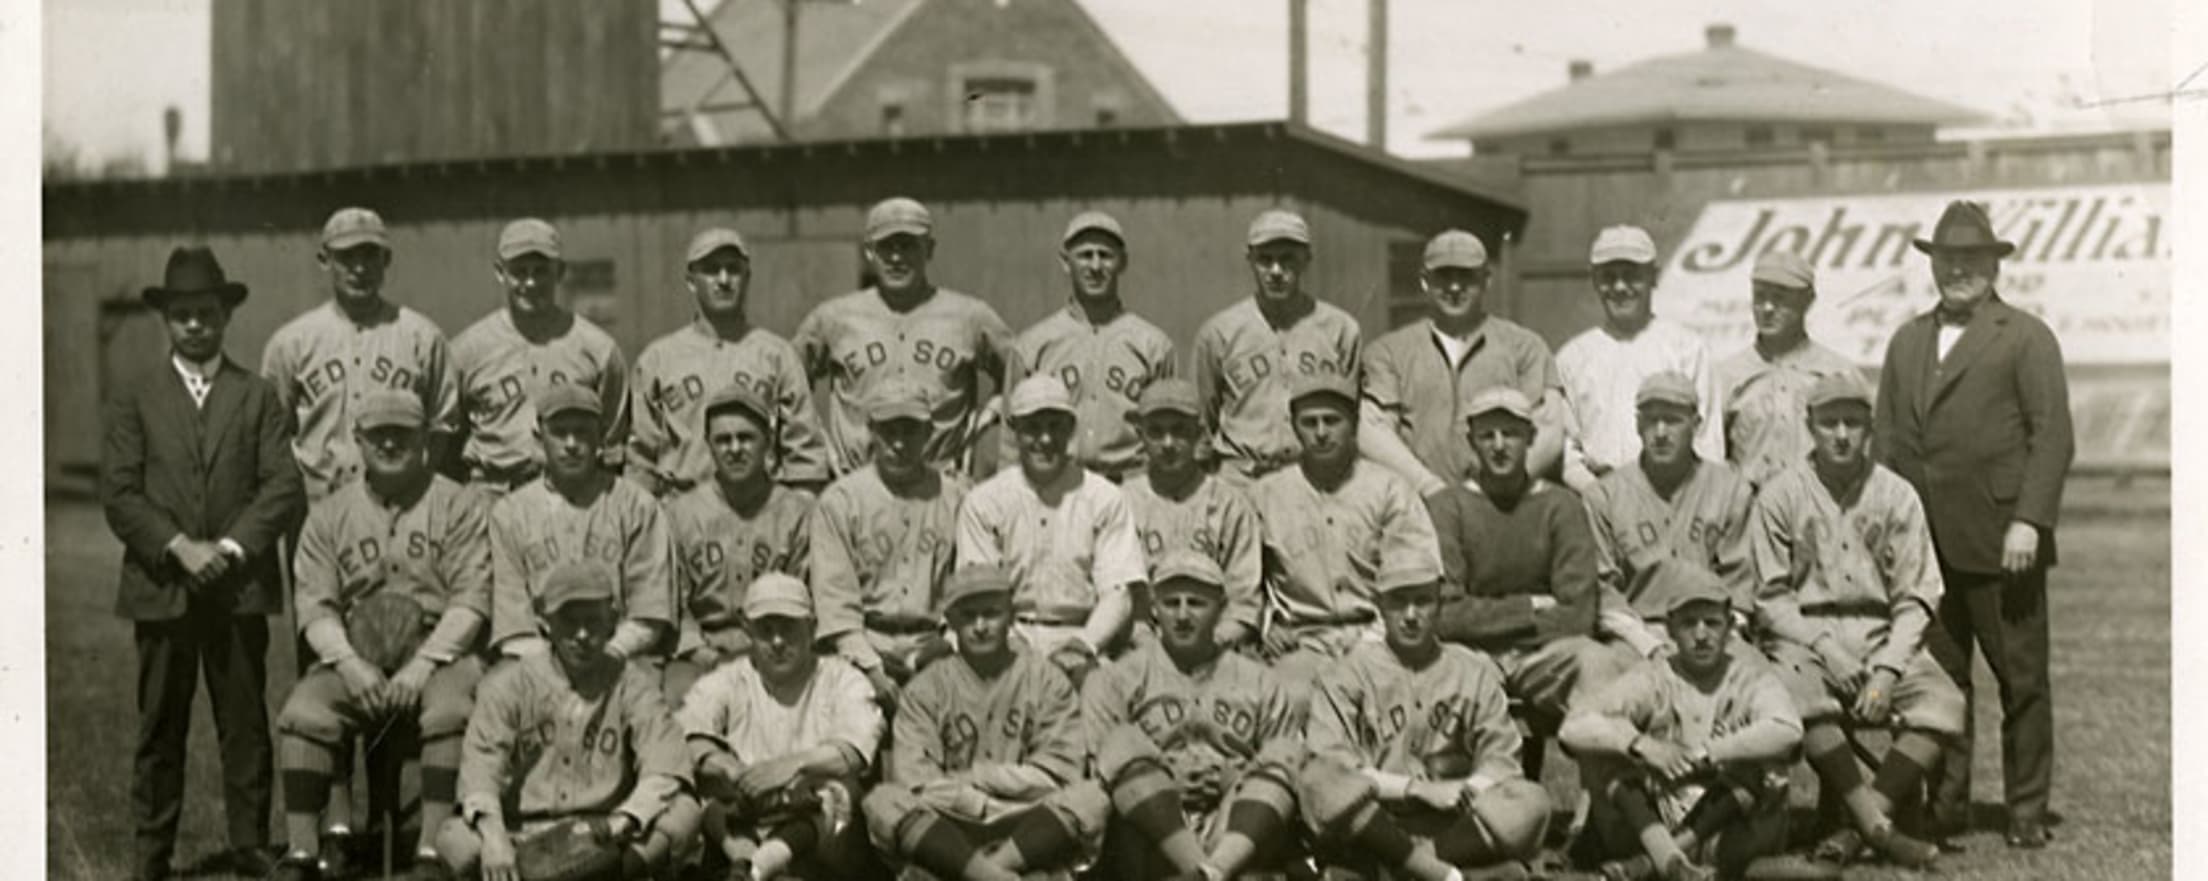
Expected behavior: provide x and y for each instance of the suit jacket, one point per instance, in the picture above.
(1984, 435)
(168, 467)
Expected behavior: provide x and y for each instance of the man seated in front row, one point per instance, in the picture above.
(1414, 764)
(571, 737)
(985, 779)
(1699, 743)
(1187, 733)
(781, 737)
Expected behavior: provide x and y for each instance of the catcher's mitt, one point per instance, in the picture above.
(386, 629)
(572, 851)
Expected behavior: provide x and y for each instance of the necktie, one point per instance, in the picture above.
(198, 386)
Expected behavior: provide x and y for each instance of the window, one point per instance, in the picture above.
(1817, 135)
(1560, 147)
(1870, 134)
(893, 119)
(1666, 139)
(1759, 136)
(999, 104)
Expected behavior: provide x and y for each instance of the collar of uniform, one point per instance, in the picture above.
(1080, 317)
(1473, 342)
(704, 330)
(386, 311)
(1539, 485)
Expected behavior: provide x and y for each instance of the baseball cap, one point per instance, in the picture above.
(1097, 221)
(1189, 568)
(1783, 268)
(973, 581)
(1276, 224)
(575, 581)
(1400, 573)
(898, 215)
(1322, 382)
(348, 227)
(1628, 243)
(1167, 396)
(898, 397)
(1668, 387)
(565, 396)
(1682, 583)
(774, 594)
(1038, 393)
(713, 239)
(528, 236)
(740, 396)
(390, 407)
(1500, 398)
(1456, 248)
(1833, 388)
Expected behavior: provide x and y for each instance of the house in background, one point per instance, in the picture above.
(1721, 98)
(897, 68)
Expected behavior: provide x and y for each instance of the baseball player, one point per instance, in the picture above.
(734, 529)
(505, 360)
(1418, 377)
(1414, 761)
(1763, 385)
(1668, 505)
(1198, 745)
(1603, 367)
(668, 452)
(325, 362)
(407, 535)
(1251, 353)
(881, 539)
(1331, 525)
(571, 743)
(1699, 742)
(987, 748)
(905, 326)
(1847, 581)
(780, 739)
(1104, 354)
(1063, 533)
(1178, 506)
(1521, 559)
(579, 511)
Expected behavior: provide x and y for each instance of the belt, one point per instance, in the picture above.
(1338, 619)
(1052, 619)
(512, 477)
(901, 625)
(1849, 609)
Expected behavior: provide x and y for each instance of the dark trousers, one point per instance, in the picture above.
(231, 651)
(2007, 616)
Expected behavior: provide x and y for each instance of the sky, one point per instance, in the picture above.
(111, 65)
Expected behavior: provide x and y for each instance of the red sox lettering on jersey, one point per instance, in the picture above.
(433, 548)
(535, 528)
(540, 748)
(1705, 521)
(950, 719)
(1245, 366)
(1106, 368)
(1215, 520)
(719, 551)
(876, 551)
(501, 371)
(1222, 715)
(1372, 711)
(947, 342)
(679, 371)
(324, 363)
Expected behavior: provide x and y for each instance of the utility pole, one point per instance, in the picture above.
(1299, 64)
(1376, 74)
(789, 61)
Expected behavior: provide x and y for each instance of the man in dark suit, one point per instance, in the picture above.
(198, 482)
(1974, 410)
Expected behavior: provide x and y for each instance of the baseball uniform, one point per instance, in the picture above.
(718, 551)
(984, 753)
(1213, 519)
(1064, 544)
(1244, 367)
(1704, 522)
(1861, 570)
(1419, 388)
(540, 752)
(878, 560)
(1603, 373)
(1106, 367)
(324, 363)
(679, 372)
(1506, 565)
(948, 342)
(1377, 724)
(535, 528)
(1745, 722)
(1323, 551)
(1764, 430)
(501, 371)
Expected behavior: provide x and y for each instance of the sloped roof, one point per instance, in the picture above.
(832, 39)
(1728, 83)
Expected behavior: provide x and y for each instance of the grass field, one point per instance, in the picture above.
(2111, 607)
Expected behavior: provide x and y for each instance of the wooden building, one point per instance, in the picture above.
(312, 84)
(1185, 195)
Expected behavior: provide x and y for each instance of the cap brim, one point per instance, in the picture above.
(232, 293)
(1455, 263)
(1673, 400)
(1137, 415)
(517, 251)
(778, 609)
(1997, 249)
(343, 241)
(1513, 412)
(571, 408)
(371, 423)
(901, 228)
(1037, 409)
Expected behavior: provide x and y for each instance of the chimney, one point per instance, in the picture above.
(1580, 68)
(1720, 36)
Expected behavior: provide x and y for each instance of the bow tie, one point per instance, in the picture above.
(1951, 318)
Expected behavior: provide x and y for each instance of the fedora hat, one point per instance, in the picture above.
(192, 270)
(1964, 226)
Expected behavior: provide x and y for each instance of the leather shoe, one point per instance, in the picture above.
(2028, 834)
(250, 862)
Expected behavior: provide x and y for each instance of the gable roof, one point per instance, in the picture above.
(1727, 83)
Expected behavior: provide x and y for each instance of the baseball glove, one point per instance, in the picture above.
(386, 629)
(572, 851)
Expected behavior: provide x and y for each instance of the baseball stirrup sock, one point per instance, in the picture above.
(1717, 809)
(1904, 766)
(306, 792)
(1468, 843)
(940, 847)
(1041, 837)
(1256, 821)
(1826, 748)
(1639, 811)
(1376, 832)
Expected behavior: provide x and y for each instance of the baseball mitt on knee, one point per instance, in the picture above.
(386, 629)
(572, 851)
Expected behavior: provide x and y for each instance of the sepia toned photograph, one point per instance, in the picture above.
(1161, 440)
